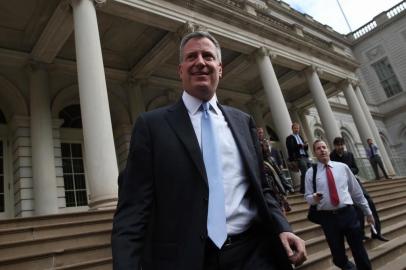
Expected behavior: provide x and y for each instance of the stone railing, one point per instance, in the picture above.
(378, 20)
(396, 10)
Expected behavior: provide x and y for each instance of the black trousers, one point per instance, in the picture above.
(361, 216)
(344, 224)
(375, 162)
(303, 165)
(255, 252)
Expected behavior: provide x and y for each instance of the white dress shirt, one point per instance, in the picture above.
(239, 209)
(348, 189)
(299, 141)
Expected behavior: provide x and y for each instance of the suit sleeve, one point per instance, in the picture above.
(134, 203)
(353, 165)
(279, 221)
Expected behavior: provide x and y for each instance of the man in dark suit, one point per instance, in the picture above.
(375, 159)
(339, 154)
(297, 151)
(164, 218)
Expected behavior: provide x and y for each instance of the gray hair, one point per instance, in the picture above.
(199, 34)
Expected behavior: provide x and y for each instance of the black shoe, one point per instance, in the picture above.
(365, 237)
(350, 266)
(379, 237)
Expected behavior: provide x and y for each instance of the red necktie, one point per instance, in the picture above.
(332, 187)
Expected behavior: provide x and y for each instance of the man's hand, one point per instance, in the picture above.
(317, 197)
(370, 220)
(294, 247)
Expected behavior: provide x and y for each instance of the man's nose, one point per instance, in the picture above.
(200, 60)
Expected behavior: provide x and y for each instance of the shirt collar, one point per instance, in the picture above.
(321, 165)
(193, 104)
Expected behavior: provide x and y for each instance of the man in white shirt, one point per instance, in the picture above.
(337, 190)
(183, 160)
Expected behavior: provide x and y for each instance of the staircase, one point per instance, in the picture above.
(82, 240)
(389, 197)
(64, 241)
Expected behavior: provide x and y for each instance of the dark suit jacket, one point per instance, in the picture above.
(294, 148)
(347, 158)
(161, 217)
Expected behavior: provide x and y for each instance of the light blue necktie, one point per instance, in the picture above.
(216, 220)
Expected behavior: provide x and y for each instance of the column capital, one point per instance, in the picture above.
(348, 81)
(265, 52)
(314, 68)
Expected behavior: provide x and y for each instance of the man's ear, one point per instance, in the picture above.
(221, 70)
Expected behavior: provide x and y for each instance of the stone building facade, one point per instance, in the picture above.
(75, 74)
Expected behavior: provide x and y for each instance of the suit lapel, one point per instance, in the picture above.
(242, 136)
(179, 120)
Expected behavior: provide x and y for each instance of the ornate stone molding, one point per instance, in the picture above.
(189, 27)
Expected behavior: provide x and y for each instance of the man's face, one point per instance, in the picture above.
(321, 151)
(339, 148)
(295, 129)
(200, 70)
(369, 141)
(260, 132)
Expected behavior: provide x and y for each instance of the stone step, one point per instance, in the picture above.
(56, 219)
(57, 258)
(321, 259)
(34, 247)
(99, 264)
(385, 206)
(392, 231)
(43, 231)
(378, 191)
(383, 182)
(397, 263)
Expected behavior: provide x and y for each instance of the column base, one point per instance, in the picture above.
(103, 202)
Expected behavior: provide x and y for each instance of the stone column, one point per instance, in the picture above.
(42, 145)
(274, 96)
(375, 133)
(136, 98)
(356, 112)
(323, 107)
(98, 138)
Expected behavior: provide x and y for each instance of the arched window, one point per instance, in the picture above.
(71, 116)
(72, 160)
(349, 144)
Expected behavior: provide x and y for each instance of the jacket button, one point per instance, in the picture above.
(203, 237)
(205, 199)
